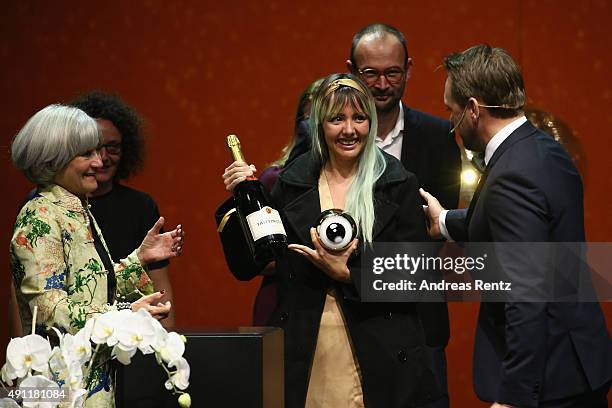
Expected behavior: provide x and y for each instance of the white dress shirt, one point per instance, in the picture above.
(392, 143)
(490, 149)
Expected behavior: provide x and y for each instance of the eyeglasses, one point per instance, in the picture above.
(111, 148)
(370, 75)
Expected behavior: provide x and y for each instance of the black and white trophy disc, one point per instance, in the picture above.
(336, 229)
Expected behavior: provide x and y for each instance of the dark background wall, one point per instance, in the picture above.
(199, 70)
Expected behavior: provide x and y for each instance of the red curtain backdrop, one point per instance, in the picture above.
(198, 71)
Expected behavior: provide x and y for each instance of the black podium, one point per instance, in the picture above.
(239, 367)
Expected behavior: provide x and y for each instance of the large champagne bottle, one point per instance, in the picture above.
(261, 224)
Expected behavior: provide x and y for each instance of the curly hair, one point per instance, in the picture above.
(101, 105)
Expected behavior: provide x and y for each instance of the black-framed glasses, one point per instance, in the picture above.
(394, 75)
(111, 148)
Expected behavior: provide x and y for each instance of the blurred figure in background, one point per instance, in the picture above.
(562, 133)
(123, 213)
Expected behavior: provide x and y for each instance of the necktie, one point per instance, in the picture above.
(478, 162)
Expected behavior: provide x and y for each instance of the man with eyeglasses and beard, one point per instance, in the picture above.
(423, 143)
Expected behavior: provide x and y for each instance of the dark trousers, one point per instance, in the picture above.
(438, 357)
(592, 399)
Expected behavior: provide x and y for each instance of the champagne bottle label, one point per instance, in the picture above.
(266, 221)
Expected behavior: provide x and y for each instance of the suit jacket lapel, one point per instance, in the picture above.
(523, 131)
(483, 179)
(384, 210)
(304, 207)
(410, 143)
(301, 214)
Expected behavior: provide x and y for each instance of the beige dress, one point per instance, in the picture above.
(335, 379)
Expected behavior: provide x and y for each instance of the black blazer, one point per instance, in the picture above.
(431, 153)
(530, 352)
(387, 337)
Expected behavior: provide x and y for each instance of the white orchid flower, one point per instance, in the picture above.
(102, 328)
(136, 330)
(180, 379)
(171, 347)
(77, 347)
(74, 379)
(41, 399)
(8, 403)
(26, 353)
(123, 356)
(4, 374)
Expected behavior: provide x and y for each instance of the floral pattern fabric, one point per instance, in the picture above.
(56, 267)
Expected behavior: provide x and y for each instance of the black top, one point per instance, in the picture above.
(125, 216)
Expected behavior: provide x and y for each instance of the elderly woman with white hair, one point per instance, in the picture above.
(59, 260)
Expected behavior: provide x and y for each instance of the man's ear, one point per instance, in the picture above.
(349, 66)
(473, 108)
(409, 65)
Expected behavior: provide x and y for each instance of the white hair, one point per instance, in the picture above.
(51, 139)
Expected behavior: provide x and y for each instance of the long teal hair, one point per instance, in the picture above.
(330, 99)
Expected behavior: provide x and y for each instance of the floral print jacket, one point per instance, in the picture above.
(56, 267)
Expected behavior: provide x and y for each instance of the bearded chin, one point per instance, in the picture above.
(387, 107)
(472, 143)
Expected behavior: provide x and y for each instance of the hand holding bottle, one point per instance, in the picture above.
(237, 172)
(261, 223)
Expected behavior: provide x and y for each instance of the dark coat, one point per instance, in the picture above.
(430, 151)
(387, 338)
(530, 352)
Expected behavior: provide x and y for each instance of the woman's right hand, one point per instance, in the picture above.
(152, 304)
(237, 171)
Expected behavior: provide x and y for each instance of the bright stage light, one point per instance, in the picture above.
(469, 177)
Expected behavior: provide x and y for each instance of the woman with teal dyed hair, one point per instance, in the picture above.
(340, 351)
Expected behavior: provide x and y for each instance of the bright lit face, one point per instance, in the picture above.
(460, 122)
(79, 176)
(346, 134)
(383, 54)
(110, 152)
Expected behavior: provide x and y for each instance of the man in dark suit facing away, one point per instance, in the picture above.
(423, 143)
(526, 354)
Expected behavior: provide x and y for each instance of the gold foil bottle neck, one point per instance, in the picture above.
(233, 143)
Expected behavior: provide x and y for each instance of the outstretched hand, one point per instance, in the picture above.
(157, 247)
(332, 263)
(152, 304)
(432, 212)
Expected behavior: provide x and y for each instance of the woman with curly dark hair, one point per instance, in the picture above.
(122, 155)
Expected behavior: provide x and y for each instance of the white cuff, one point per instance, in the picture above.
(442, 225)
